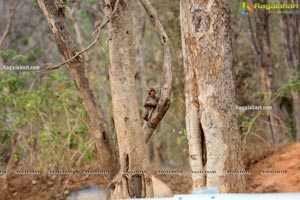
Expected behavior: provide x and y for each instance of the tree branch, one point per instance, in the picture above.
(98, 31)
(8, 26)
(251, 36)
(74, 21)
(164, 102)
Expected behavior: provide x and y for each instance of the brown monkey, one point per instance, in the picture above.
(150, 103)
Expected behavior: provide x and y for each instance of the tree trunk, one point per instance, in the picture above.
(130, 182)
(67, 48)
(211, 118)
(290, 36)
(296, 114)
(263, 40)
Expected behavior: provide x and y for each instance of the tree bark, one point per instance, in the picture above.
(290, 37)
(131, 181)
(266, 72)
(211, 118)
(67, 48)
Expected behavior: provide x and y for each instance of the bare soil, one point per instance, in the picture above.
(278, 172)
(57, 187)
(281, 169)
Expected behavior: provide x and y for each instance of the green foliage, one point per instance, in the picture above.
(20, 59)
(16, 57)
(25, 42)
(46, 112)
(12, 82)
(4, 142)
(83, 15)
(291, 83)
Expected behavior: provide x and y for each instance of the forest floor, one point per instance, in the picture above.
(57, 187)
(285, 159)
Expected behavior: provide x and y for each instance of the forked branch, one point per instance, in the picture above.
(164, 102)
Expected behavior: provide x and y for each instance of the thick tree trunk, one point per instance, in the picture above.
(131, 182)
(67, 48)
(211, 119)
(263, 40)
(193, 125)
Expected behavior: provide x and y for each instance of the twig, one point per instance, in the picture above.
(250, 127)
(98, 31)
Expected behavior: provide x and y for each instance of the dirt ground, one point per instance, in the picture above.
(57, 187)
(279, 171)
(47, 187)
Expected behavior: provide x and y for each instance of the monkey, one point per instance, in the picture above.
(61, 6)
(150, 103)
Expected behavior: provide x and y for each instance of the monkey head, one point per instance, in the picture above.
(151, 92)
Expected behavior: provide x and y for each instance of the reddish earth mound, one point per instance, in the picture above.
(279, 172)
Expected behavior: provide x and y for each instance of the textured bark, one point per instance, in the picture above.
(211, 118)
(129, 182)
(263, 41)
(193, 124)
(165, 93)
(290, 38)
(67, 48)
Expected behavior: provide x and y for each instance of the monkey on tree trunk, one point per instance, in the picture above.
(150, 103)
